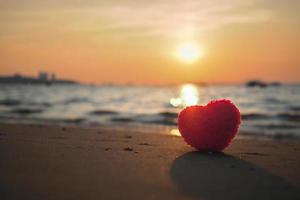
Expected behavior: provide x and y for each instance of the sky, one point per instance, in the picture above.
(125, 41)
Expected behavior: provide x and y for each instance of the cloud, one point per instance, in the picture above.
(167, 18)
(172, 17)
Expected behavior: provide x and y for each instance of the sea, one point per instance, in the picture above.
(272, 111)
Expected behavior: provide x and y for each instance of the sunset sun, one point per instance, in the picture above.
(188, 52)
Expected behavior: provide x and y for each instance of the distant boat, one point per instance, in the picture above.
(256, 83)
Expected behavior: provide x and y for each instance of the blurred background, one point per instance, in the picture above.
(139, 63)
(266, 111)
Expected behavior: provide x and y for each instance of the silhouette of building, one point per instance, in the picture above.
(53, 77)
(43, 76)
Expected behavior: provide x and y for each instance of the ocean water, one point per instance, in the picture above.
(270, 111)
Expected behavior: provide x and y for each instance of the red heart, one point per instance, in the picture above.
(211, 127)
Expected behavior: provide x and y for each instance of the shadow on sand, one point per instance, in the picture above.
(220, 176)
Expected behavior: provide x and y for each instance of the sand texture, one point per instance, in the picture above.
(65, 162)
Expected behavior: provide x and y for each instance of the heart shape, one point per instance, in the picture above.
(211, 127)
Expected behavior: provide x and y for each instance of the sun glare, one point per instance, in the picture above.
(188, 52)
(189, 95)
(175, 132)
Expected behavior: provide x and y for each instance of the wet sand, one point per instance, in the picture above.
(68, 162)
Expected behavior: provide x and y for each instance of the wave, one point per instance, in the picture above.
(294, 108)
(10, 102)
(168, 114)
(280, 116)
(166, 122)
(148, 119)
(73, 121)
(164, 118)
(122, 119)
(252, 116)
(274, 100)
(104, 112)
(27, 111)
(43, 104)
(289, 117)
(76, 100)
(278, 126)
(13, 102)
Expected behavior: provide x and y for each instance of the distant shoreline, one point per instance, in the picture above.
(19, 79)
(23, 79)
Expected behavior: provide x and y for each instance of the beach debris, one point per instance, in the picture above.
(252, 168)
(229, 165)
(108, 149)
(255, 154)
(58, 138)
(128, 149)
(144, 143)
(63, 129)
(128, 136)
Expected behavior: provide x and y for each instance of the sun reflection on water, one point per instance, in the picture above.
(175, 132)
(189, 95)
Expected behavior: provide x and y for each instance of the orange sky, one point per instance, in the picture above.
(134, 41)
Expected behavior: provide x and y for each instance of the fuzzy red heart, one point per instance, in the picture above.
(211, 127)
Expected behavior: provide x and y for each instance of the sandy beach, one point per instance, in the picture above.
(111, 100)
(69, 162)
